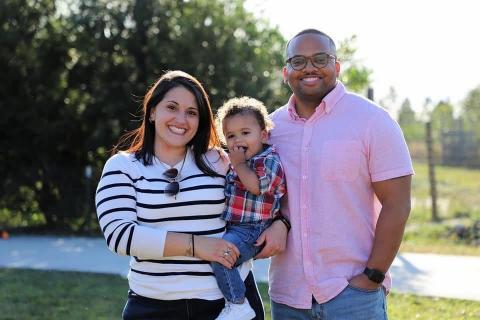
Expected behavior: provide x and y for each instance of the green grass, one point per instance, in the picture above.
(435, 238)
(29, 294)
(457, 189)
(409, 307)
(54, 295)
(459, 203)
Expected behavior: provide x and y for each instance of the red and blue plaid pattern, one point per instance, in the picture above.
(244, 207)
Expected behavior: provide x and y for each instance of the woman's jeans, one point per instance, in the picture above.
(351, 304)
(243, 236)
(142, 308)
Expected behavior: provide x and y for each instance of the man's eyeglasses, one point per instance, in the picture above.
(173, 187)
(318, 60)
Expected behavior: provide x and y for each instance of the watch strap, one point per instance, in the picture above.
(374, 275)
(284, 220)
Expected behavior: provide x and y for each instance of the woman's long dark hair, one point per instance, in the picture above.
(141, 140)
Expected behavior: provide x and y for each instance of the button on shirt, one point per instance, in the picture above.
(330, 161)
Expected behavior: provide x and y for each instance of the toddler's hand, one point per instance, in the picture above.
(237, 156)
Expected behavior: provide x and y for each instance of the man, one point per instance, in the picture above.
(349, 173)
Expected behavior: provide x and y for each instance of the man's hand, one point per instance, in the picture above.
(274, 239)
(361, 281)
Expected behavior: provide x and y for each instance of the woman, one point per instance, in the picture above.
(160, 202)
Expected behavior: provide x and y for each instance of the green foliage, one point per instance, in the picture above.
(442, 118)
(390, 99)
(73, 76)
(413, 129)
(42, 141)
(461, 132)
(74, 73)
(471, 111)
(471, 118)
(355, 76)
(442, 121)
(458, 203)
(457, 190)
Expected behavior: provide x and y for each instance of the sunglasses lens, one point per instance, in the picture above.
(171, 173)
(172, 188)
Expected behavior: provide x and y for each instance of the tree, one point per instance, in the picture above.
(442, 121)
(72, 79)
(471, 111)
(442, 118)
(413, 129)
(355, 76)
(40, 132)
(74, 73)
(389, 101)
(470, 117)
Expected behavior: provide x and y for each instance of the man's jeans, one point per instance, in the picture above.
(243, 236)
(351, 304)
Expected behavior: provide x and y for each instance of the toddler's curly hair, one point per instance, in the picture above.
(243, 105)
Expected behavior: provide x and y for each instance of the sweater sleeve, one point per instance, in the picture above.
(218, 160)
(117, 214)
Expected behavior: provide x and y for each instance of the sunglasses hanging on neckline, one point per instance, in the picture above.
(173, 174)
(173, 187)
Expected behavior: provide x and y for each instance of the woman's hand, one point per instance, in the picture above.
(274, 239)
(215, 249)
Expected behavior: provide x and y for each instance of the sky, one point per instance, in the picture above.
(421, 48)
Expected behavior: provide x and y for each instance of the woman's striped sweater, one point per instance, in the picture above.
(135, 216)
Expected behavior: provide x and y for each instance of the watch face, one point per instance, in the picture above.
(378, 278)
(374, 275)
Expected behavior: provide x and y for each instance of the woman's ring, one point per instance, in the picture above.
(227, 251)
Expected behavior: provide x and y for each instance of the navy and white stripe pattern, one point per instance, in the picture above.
(135, 216)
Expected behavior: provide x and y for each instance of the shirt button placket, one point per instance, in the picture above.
(305, 164)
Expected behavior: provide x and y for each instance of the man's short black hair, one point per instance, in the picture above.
(313, 31)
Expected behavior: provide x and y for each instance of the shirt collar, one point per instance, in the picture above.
(327, 104)
(267, 149)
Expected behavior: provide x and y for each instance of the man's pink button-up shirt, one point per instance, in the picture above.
(330, 161)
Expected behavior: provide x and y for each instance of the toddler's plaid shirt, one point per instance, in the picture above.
(243, 206)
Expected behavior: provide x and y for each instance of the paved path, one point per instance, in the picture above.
(421, 274)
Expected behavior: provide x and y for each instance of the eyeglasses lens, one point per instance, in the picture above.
(320, 60)
(298, 62)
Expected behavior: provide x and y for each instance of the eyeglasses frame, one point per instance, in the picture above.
(310, 58)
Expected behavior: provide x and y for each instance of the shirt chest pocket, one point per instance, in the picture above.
(340, 160)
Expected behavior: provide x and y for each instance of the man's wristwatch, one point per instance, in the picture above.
(284, 220)
(374, 275)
